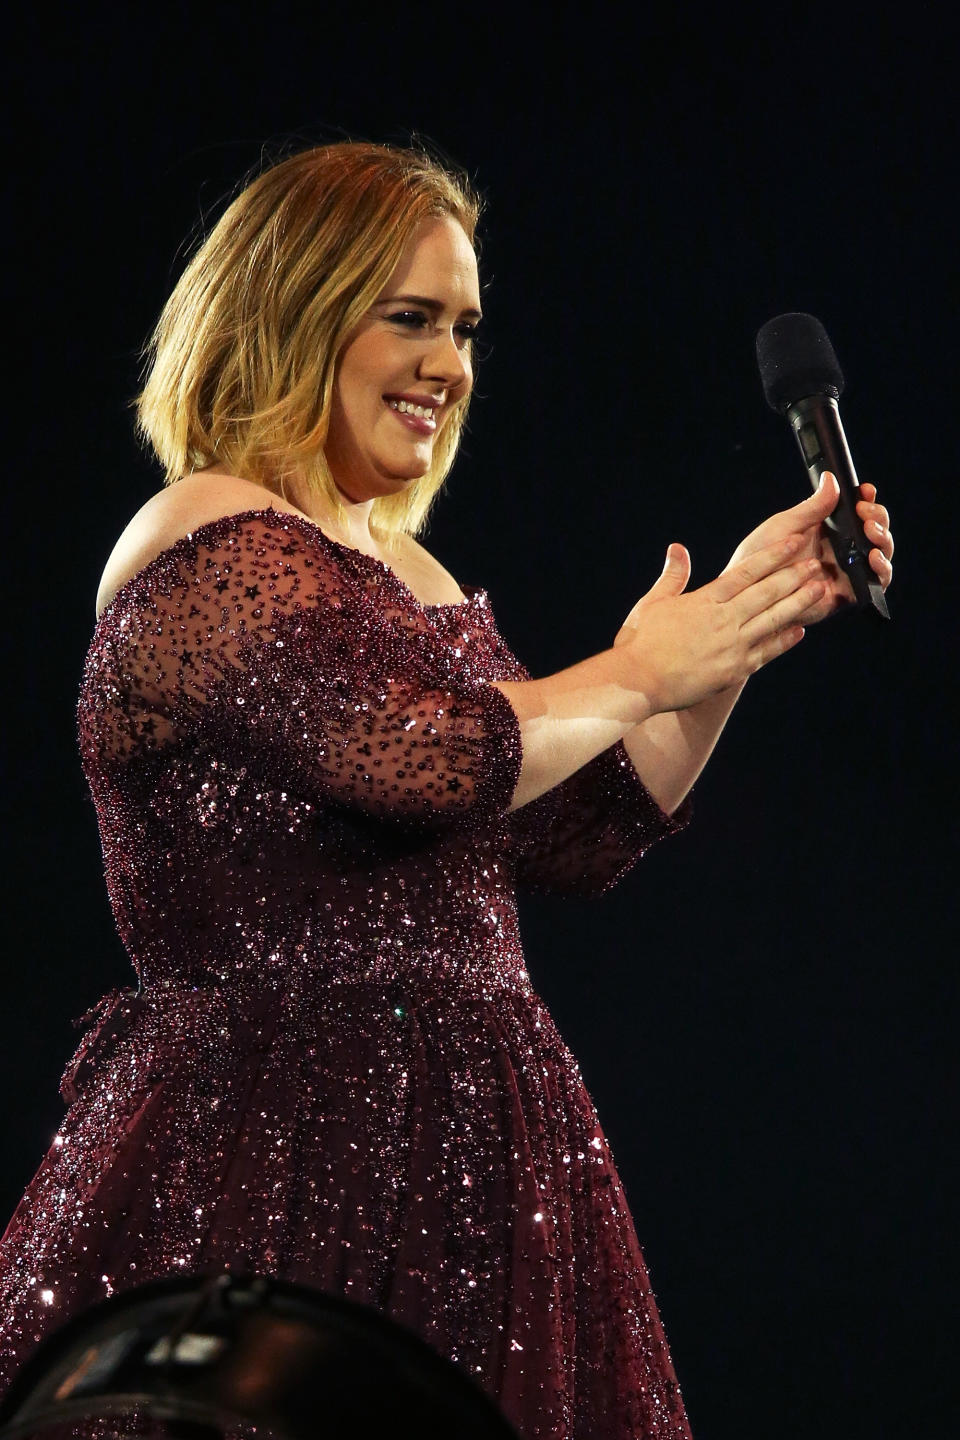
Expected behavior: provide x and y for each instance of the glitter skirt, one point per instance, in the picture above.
(427, 1150)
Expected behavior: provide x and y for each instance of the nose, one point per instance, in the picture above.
(446, 362)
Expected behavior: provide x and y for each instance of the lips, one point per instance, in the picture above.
(423, 405)
(417, 413)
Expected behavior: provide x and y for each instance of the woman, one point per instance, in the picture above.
(320, 775)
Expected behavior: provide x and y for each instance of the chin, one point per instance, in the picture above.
(405, 475)
(397, 484)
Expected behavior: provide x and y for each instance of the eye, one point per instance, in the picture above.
(472, 338)
(466, 331)
(415, 319)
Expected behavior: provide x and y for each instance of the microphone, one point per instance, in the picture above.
(802, 381)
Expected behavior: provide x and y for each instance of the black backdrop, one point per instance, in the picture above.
(761, 1010)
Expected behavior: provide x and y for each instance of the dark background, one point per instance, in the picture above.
(762, 1010)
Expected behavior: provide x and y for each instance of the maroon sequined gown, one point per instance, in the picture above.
(336, 1068)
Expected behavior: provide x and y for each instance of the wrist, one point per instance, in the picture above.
(626, 689)
(605, 687)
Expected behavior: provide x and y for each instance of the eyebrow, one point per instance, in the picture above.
(434, 306)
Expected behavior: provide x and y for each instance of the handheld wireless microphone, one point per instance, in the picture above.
(802, 381)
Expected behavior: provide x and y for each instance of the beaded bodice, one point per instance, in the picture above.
(289, 753)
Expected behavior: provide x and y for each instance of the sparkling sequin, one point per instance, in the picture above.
(335, 1068)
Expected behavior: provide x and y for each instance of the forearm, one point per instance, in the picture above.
(669, 750)
(569, 718)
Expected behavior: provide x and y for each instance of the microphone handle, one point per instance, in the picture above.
(815, 421)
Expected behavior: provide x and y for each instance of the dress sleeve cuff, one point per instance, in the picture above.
(637, 807)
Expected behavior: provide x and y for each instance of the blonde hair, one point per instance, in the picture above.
(241, 365)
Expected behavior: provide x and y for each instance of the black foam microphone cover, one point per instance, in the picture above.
(796, 359)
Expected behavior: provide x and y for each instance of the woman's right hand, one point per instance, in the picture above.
(679, 648)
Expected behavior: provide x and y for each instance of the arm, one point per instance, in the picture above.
(669, 751)
(247, 631)
(249, 641)
(585, 834)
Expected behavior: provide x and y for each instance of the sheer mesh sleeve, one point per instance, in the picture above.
(584, 835)
(252, 634)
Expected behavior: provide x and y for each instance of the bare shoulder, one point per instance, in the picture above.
(174, 512)
(423, 572)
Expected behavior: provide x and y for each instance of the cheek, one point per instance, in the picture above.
(464, 390)
(461, 391)
(364, 374)
(356, 414)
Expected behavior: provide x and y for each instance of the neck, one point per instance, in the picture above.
(351, 524)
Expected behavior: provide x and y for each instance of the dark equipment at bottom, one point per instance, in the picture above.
(201, 1355)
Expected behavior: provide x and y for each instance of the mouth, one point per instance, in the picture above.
(417, 416)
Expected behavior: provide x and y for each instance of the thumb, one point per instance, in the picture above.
(824, 498)
(675, 573)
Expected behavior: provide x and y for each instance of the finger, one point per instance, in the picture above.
(869, 509)
(866, 506)
(773, 645)
(675, 573)
(882, 567)
(771, 589)
(882, 538)
(878, 534)
(811, 513)
(784, 611)
(740, 577)
(876, 525)
(874, 515)
(820, 504)
(672, 580)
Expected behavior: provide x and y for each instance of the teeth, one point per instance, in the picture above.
(425, 412)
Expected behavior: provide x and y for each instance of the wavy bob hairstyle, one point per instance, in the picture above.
(242, 364)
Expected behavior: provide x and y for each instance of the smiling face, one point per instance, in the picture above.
(405, 366)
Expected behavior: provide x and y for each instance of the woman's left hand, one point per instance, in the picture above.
(806, 519)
